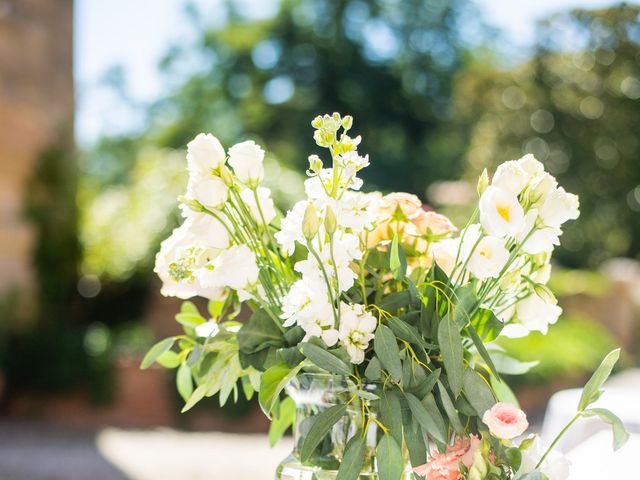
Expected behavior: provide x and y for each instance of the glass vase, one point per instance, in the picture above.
(314, 393)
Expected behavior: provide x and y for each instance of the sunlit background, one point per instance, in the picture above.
(99, 98)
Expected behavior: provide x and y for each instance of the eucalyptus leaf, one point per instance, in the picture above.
(353, 458)
(450, 409)
(395, 300)
(322, 424)
(424, 418)
(414, 440)
(405, 331)
(373, 370)
(482, 350)
(451, 349)
(426, 386)
(280, 422)
(391, 413)
(397, 260)
(273, 382)
(184, 382)
(259, 333)
(509, 365)
(389, 455)
(486, 324)
(325, 360)
(197, 395)
(156, 351)
(478, 392)
(592, 391)
(503, 392)
(386, 348)
(464, 299)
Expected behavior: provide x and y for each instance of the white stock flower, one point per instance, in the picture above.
(488, 258)
(266, 203)
(178, 263)
(536, 314)
(356, 330)
(246, 159)
(208, 231)
(209, 191)
(352, 159)
(510, 177)
(309, 307)
(356, 210)
(291, 227)
(558, 207)
(235, 268)
(204, 153)
(500, 212)
(537, 239)
(556, 466)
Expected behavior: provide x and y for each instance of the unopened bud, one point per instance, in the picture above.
(347, 122)
(194, 205)
(317, 122)
(483, 182)
(315, 164)
(310, 222)
(545, 293)
(330, 222)
(226, 175)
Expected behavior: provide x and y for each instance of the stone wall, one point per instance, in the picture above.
(36, 113)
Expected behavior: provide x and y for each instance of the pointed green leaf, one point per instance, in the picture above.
(405, 331)
(184, 382)
(273, 381)
(591, 391)
(386, 348)
(353, 458)
(389, 456)
(426, 386)
(620, 434)
(156, 351)
(372, 372)
(450, 409)
(286, 415)
(451, 348)
(197, 395)
(482, 350)
(259, 333)
(478, 392)
(397, 260)
(321, 426)
(423, 417)
(325, 360)
(486, 324)
(503, 391)
(391, 413)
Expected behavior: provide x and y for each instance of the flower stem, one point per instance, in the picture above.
(558, 437)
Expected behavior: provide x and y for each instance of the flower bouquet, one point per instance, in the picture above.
(374, 319)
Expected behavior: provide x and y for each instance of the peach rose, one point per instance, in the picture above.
(445, 466)
(402, 204)
(433, 224)
(505, 421)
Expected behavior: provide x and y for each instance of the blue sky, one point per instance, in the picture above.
(134, 34)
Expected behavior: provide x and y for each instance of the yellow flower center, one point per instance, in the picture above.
(504, 211)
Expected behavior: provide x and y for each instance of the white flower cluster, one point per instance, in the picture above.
(521, 214)
(204, 257)
(328, 225)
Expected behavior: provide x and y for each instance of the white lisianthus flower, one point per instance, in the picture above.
(556, 466)
(204, 153)
(488, 258)
(530, 165)
(558, 207)
(208, 230)
(510, 177)
(209, 191)
(444, 254)
(235, 268)
(356, 330)
(247, 159)
(267, 207)
(291, 227)
(542, 275)
(536, 314)
(178, 264)
(541, 186)
(537, 239)
(500, 212)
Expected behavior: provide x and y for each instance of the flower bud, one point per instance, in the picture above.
(483, 182)
(226, 175)
(315, 164)
(317, 122)
(545, 293)
(478, 470)
(194, 205)
(510, 281)
(330, 222)
(310, 222)
(347, 122)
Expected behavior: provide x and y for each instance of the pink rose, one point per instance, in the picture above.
(505, 421)
(445, 466)
(433, 224)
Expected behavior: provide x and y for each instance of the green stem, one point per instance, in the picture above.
(326, 279)
(558, 437)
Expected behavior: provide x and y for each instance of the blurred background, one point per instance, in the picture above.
(98, 100)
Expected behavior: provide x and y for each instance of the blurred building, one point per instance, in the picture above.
(36, 114)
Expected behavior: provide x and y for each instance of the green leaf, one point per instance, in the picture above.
(184, 381)
(451, 349)
(188, 307)
(386, 348)
(509, 365)
(391, 413)
(503, 391)
(477, 391)
(389, 456)
(321, 426)
(395, 300)
(190, 319)
(353, 458)
(486, 324)
(482, 350)
(430, 405)
(197, 395)
(426, 386)
(514, 457)
(423, 417)
(464, 300)
(372, 372)
(156, 351)
(259, 333)
(450, 409)
(414, 440)
(397, 260)
(325, 360)
(620, 434)
(286, 415)
(405, 331)
(591, 391)
(272, 383)
(169, 359)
